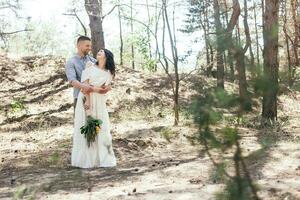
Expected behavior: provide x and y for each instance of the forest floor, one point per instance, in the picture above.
(155, 160)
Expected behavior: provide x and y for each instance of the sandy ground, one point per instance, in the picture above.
(155, 159)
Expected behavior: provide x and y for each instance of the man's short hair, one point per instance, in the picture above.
(83, 38)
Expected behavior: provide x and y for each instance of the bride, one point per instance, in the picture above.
(100, 153)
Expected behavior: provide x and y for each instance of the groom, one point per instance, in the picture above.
(76, 64)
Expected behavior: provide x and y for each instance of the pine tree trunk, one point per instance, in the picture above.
(241, 68)
(229, 56)
(240, 62)
(256, 36)
(288, 53)
(157, 15)
(296, 23)
(163, 42)
(148, 31)
(94, 11)
(271, 65)
(175, 84)
(131, 29)
(220, 61)
(210, 52)
(121, 35)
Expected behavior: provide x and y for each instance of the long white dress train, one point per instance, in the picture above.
(100, 153)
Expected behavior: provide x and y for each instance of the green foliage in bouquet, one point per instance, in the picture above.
(91, 129)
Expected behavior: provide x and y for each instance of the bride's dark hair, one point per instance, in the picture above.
(110, 63)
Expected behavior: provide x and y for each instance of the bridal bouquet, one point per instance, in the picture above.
(91, 129)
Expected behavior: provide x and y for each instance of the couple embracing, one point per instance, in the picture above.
(91, 80)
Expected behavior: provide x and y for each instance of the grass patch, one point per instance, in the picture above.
(54, 158)
(168, 134)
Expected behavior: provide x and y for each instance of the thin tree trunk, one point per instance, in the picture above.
(225, 24)
(211, 52)
(238, 33)
(163, 41)
(204, 27)
(148, 32)
(271, 65)
(256, 36)
(239, 54)
(131, 29)
(231, 65)
(210, 48)
(230, 57)
(241, 68)
(94, 11)
(248, 39)
(225, 64)
(220, 62)
(121, 35)
(284, 16)
(172, 39)
(243, 92)
(263, 12)
(252, 61)
(155, 34)
(296, 23)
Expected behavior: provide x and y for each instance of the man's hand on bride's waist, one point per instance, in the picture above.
(101, 90)
(86, 88)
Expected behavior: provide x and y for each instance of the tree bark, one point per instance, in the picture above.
(157, 16)
(256, 36)
(220, 48)
(271, 65)
(210, 52)
(296, 42)
(131, 29)
(243, 92)
(230, 57)
(288, 54)
(94, 11)
(148, 32)
(175, 86)
(163, 41)
(121, 34)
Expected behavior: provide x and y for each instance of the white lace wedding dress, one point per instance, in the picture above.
(100, 153)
